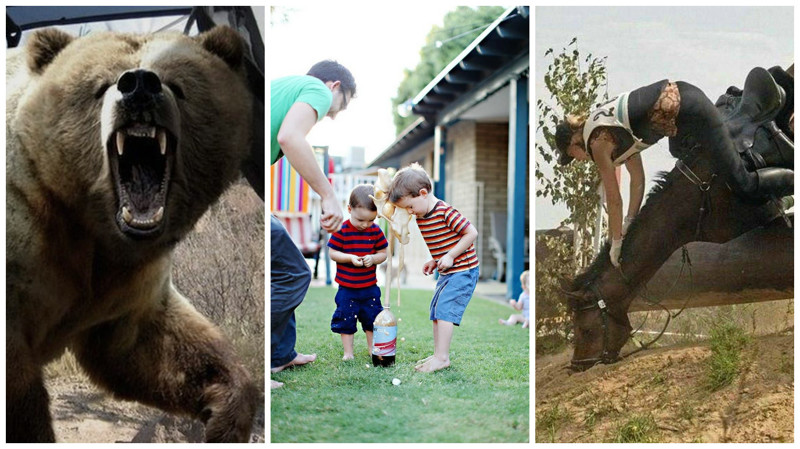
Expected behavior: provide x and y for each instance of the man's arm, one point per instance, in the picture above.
(292, 139)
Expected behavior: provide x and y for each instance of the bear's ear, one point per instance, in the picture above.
(224, 42)
(43, 46)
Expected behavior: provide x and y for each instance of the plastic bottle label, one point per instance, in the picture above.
(384, 340)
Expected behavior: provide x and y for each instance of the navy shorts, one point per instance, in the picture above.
(363, 304)
(452, 294)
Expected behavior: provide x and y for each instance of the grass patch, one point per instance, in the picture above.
(549, 422)
(482, 397)
(64, 367)
(686, 411)
(637, 429)
(727, 342)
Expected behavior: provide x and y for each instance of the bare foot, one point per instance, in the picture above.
(275, 384)
(502, 321)
(422, 362)
(347, 357)
(433, 364)
(301, 359)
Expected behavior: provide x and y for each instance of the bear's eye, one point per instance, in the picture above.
(101, 91)
(176, 90)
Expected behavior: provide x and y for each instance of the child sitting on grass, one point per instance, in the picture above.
(357, 248)
(450, 237)
(522, 304)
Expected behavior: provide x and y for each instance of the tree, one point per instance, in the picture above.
(460, 27)
(574, 90)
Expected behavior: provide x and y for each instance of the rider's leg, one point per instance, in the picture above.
(699, 120)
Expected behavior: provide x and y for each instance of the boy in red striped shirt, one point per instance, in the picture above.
(357, 248)
(450, 238)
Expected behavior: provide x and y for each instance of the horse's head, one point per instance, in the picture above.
(599, 316)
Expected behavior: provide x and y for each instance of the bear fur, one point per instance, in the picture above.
(116, 145)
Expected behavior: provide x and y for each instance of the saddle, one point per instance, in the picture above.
(751, 121)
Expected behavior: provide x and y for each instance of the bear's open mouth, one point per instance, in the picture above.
(141, 158)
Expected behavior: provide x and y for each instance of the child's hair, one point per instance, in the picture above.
(408, 182)
(524, 278)
(359, 197)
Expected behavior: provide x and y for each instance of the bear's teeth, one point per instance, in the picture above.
(126, 215)
(162, 141)
(120, 142)
(159, 215)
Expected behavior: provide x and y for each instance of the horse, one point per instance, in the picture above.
(690, 203)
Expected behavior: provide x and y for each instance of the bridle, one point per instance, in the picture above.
(606, 356)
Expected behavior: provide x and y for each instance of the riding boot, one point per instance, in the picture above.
(775, 182)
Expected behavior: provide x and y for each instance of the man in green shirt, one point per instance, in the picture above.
(297, 104)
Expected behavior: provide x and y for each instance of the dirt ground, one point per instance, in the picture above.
(82, 413)
(669, 385)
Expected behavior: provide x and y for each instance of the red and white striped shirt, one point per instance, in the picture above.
(442, 229)
(350, 240)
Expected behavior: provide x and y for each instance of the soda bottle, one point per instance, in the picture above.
(384, 338)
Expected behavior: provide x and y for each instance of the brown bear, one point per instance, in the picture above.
(116, 145)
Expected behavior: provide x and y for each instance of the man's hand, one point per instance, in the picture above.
(429, 267)
(445, 262)
(355, 260)
(331, 219)
(367, 260)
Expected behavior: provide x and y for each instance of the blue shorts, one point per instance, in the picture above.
(363, 304)
(452, 294)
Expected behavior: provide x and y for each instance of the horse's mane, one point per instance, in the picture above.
(602, 262)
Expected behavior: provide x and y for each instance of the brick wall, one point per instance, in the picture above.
(477, 155)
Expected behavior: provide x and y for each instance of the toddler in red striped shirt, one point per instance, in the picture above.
(357, 248)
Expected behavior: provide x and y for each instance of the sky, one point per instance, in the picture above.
(374, 47)
(710, 47)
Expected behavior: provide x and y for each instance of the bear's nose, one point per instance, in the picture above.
(139, 87)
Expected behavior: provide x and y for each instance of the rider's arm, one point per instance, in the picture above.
(636, 170)
(602, 148)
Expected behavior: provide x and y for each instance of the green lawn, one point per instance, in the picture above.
(482, 397)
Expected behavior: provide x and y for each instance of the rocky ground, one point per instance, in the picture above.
(84, 414)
